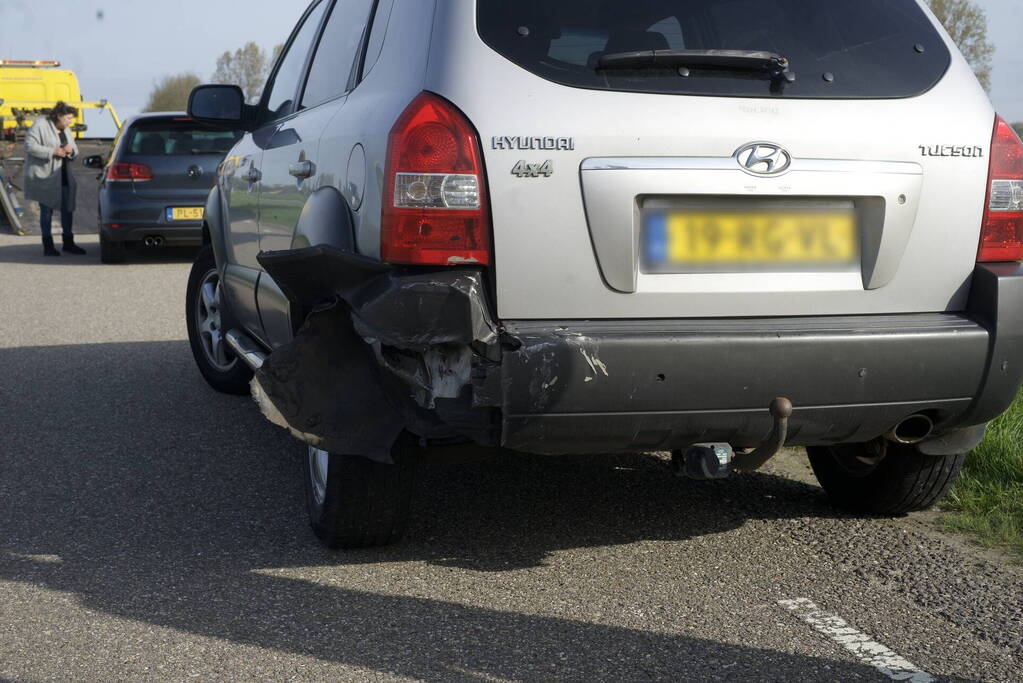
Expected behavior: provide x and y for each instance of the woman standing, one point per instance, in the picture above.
(48, 180)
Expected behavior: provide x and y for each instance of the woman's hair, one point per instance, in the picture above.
(60, 109)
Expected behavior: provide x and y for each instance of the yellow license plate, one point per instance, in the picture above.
(674, 239)
(186, 213)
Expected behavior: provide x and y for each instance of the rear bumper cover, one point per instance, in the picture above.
(183, 233)
(634, 385)
(142, 217)
(448, 369)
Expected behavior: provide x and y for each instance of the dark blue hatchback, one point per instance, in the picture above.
(155, 182)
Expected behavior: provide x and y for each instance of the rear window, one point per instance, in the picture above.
(173, 138)
(835, 48)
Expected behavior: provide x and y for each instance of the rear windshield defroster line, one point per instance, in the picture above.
(835, 48)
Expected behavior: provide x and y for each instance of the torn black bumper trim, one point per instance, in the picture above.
(381, 346)
(404, 309)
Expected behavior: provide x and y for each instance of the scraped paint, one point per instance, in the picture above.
(594, 362)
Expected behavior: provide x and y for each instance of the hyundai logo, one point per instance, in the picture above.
(763, 158)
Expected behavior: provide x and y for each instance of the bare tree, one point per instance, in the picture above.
(966, 22)
(170, 93)
(245, 67)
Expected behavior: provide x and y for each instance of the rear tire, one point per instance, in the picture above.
(111, 252)
(355, 502)
(904, 480)
(204, 314)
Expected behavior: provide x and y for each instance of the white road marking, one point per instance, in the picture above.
(860, 644)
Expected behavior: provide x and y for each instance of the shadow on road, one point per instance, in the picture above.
(29, 250)
(128, 483)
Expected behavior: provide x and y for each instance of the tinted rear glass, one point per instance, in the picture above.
(172, 138)
(835, 48)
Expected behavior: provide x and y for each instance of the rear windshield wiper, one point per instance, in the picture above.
(748, 61)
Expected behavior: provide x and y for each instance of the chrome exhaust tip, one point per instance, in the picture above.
(158, 241)
(148, 241)
(912, 429)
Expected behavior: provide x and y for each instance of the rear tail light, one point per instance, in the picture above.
(1001, 237)
(435, 207)
(121, 171)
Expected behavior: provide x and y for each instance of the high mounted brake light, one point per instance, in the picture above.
(1001, 237)
(122, 171)
(435, 209)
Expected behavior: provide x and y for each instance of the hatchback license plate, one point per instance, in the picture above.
(185, 213)
(718, 240)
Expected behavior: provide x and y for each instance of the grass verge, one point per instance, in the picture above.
(987, 501)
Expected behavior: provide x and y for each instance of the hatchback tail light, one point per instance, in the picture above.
(122, 171)
(435, 208)
(1001, 237)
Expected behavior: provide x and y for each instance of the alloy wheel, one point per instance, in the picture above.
(319, 462)
(208, 319)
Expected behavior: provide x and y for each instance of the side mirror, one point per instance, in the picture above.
(220, 105)
(93, 161)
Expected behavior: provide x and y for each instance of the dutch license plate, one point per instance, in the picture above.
(677, 240)
(185, 213)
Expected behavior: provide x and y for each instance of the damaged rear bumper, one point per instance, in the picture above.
(437, 363)
(381, 350)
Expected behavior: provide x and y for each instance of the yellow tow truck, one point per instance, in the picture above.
(29, 88)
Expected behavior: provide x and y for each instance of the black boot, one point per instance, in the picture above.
(72, 248)
(48, 249)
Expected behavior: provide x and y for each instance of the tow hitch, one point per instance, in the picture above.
(719, 460)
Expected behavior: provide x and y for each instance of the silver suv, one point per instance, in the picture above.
(711, 227)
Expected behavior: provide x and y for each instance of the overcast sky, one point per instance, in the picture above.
(118, 48)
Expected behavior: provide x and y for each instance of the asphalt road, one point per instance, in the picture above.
(153, 529)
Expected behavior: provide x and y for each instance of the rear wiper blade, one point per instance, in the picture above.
(750, 61)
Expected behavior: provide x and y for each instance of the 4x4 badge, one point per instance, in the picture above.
(524, 169)
(763, 158)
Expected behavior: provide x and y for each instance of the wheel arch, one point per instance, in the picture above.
(213, 227)
(326, 218)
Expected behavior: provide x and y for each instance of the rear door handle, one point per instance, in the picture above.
(302, 169)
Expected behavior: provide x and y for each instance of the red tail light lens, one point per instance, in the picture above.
(435, 207)
(121, 171)
(1001, 237)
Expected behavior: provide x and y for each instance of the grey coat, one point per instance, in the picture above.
(42, 169)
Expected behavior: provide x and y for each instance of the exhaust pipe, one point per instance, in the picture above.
(148, 241)
(912, 429)
(158, 241)
(153, 241)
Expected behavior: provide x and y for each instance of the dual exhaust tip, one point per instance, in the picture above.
(153, 241)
